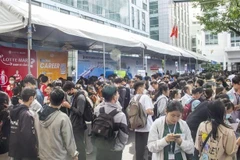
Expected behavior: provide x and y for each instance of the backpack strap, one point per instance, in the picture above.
(205, 142)
(138, 98)
(102, 110)
(114, 112)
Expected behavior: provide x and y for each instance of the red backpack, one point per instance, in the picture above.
(187, 109)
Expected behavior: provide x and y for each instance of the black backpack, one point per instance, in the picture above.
(103, 129)
(88, 109)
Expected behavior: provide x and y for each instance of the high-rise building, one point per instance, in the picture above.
(164, 15)
(129, 15)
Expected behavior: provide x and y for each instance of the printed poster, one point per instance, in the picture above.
(14, 62)
(52, 64)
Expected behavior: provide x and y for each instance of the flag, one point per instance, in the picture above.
(173, 31)
(176, 32)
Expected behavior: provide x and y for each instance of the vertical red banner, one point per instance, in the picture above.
(14, 62)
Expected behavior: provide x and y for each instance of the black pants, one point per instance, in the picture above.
(108, 155)
(79, 140)
(142, 152)
(25, 158)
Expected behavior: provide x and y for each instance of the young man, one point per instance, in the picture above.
(23, 139)
(111, 96)
(54, 128)
(141, 135)
(76, 117)
(29, 81)
(194, 100)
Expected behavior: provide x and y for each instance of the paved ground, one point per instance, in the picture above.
(128, 153)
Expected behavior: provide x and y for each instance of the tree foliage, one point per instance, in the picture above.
(219, 15)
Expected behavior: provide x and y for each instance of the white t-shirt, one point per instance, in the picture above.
(146, 102)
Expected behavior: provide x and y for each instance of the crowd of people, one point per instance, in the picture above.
(182, 117)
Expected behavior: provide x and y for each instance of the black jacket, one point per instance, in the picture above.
(200, 114)
(5, 131)
(77, 110)
(23, 138)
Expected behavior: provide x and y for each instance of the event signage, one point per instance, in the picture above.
(14, 62)
(52, 64)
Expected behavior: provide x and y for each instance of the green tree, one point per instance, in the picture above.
(219, 15)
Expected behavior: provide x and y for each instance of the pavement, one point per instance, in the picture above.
(128, 152)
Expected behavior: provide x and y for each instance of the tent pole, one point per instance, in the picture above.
(144, 59)
(104, 63)
(165, 69)
(29, 35)
(179, 68)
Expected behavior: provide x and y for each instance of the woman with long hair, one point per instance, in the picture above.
(161, 102)
(169, 136)
(215, 139)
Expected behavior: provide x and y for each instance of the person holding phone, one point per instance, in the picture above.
(170, 137)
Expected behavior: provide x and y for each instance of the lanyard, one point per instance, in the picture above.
(237, 97)
(172, 144)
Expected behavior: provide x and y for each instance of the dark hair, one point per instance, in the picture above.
(216, 112)
(139, 77)
(44, 79)
(174, 106)
(236, 80)
(108, 92)
(27, 93)
(228, 104)
(50, 85)
(29, 79)
(154, 76)
(190, 81)
(16, 91)
(57, 96)
(173, 93)
(197, 90)
(68, 86)
(219, 90)
(4, 100)
(118, 80)
(69, 79)
(208, 93)
(161, 87)
(138, 84)
(222, 96)
(208, 76)
(154, 82)
(200, 82)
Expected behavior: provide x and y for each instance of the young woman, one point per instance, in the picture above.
(170, 137)
(175, 95)
(221, 143)
(162, 100)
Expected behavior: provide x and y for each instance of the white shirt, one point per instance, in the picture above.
(146, 102)
(185, 98)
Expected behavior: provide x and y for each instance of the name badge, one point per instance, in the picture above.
(171, 156)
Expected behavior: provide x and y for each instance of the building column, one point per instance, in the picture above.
(75, 3)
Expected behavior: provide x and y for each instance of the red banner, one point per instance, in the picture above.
(14, 62)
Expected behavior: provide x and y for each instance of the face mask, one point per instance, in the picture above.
(11, 82)
(228, 116)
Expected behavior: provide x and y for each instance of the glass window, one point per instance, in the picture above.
(153, 7)
(64, 11)
(211, 39)
(133, 1)
(154, 22)
(68, 2)
(193, 41)
(133, 17)
(138, 15)
(144, 6)
(154, 34)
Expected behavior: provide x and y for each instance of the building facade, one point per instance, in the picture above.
(164, 15)
(128, 15)
(223, 47)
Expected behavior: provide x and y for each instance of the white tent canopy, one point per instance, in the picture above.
(81, 32)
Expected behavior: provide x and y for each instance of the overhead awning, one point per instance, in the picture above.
(56, 28)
